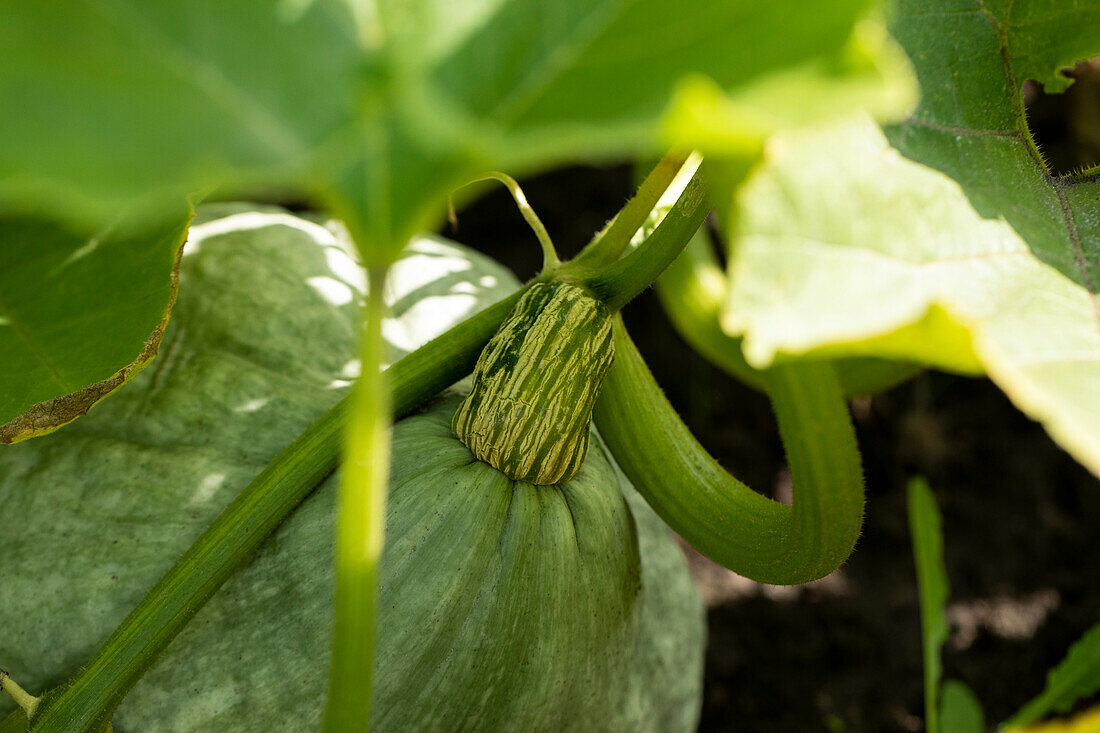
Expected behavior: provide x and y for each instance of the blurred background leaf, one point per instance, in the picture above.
(960, 710)
(113, 103)
(381, 109)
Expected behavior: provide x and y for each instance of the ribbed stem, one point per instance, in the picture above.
(612, 241)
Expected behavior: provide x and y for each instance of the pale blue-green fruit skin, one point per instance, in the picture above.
(504, 606)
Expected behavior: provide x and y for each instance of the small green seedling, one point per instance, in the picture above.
(950, 706)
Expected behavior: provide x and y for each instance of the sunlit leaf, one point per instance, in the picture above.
(847, 248)
(80, 315)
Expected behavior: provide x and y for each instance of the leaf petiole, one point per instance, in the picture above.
(360, 527)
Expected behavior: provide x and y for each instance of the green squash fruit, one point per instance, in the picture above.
(535, 385)
(503, 605)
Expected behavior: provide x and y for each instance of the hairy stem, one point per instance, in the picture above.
(720, 516)
(613, 239)
(88, 700)
(621, 281)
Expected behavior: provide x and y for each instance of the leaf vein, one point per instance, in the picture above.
(1018, 111)
(1079, 258)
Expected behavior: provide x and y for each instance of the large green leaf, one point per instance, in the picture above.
(381, 109)
(80, 314)
(847, 248)
(582, 79)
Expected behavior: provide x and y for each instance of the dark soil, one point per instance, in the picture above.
(1020, 519)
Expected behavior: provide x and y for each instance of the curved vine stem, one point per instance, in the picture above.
(550, 259)
(720, 516)
(87, 702)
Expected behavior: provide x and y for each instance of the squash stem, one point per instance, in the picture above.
(721, 517)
